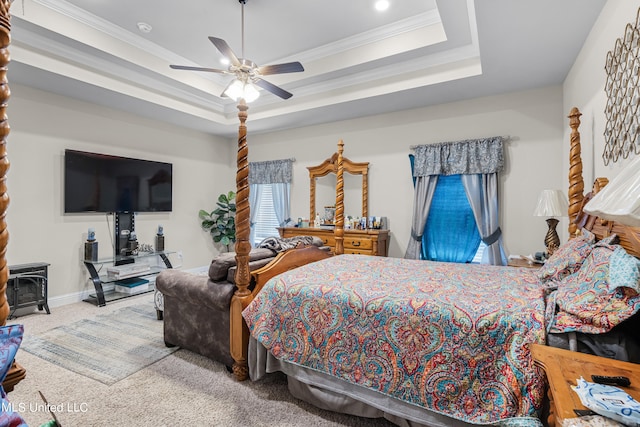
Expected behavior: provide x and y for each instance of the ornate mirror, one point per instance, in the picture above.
(330, 166)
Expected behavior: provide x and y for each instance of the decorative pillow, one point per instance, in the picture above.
(624, 271)
(609, 240)
(584, 300)
(568, 258)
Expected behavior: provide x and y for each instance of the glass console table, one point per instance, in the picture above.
(105, 284)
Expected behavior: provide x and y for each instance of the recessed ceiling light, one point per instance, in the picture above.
(382, 5)
(144, 27)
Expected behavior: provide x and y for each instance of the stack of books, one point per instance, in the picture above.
(132, 286)
(127, 270)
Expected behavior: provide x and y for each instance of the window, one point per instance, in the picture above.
(265, 223)
(451, 233)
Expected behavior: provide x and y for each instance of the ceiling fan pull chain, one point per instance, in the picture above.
(242, 26)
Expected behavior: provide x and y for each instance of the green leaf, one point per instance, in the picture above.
(223, 199)
(203, 214)
(225, 240)
(219, 212)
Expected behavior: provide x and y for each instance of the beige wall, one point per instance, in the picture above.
(533, 120)
(42, 126)
(584, 87)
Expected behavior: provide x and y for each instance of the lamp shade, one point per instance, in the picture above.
(619, 200)
(239, 89)
(551, 204)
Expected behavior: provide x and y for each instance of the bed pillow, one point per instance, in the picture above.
(568, 258)
(624, 271)
(587, 302)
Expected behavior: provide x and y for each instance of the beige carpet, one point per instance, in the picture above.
(182, 389)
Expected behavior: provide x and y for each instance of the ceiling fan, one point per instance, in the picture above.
(246, 72)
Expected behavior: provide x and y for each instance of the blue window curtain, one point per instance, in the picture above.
(278, 174)
(451, 233)
(480, 157)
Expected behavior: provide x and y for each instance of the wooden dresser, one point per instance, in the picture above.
(364, 242)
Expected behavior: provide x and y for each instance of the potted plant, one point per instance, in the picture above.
(221, 222)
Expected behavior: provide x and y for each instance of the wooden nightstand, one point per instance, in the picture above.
(564, 367)
(522, 262)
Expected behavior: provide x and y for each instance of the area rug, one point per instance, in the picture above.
(108, 348)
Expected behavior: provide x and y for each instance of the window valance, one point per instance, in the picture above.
(472, 156)
(271, 171)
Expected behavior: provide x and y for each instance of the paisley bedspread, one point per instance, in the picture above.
(447, 337)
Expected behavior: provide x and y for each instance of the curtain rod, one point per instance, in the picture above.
(292, 159)
(506, 138)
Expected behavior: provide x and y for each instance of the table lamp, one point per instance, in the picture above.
(551, 204)
(619, 200)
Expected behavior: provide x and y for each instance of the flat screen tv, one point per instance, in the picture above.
(96, 182)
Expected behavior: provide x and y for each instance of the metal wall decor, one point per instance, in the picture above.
(622, 131)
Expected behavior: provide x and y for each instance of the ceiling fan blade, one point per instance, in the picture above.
(186, 67)
(225, 50)
(289, 67)
(272, 88)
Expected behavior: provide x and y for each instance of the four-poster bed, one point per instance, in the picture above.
(516, 387)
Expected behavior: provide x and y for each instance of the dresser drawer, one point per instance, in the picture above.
(358, 243)
(328, 240)
(358, 251)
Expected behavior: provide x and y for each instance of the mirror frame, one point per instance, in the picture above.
(331, 166)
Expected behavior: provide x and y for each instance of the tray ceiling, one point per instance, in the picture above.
(358, 61)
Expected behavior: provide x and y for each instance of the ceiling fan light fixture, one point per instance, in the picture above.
(238, 90)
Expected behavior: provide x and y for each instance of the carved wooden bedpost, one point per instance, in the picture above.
(365, 193)
(239, 333)
(576, 182)
(5, 39)
(17, 372)
(312, 198)
(339, 216)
